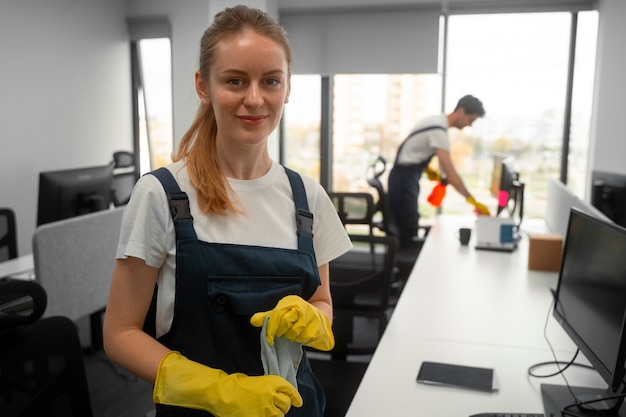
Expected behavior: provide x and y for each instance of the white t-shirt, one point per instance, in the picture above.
(268, 219)
(422, 146)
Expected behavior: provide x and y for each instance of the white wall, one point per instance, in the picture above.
(608, 136)
(64, 94)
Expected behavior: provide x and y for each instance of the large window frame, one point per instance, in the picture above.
(326, 136)
(151, 69)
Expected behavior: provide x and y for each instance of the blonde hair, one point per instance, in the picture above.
(198, 144)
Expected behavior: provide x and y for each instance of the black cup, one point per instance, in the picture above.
(464, 235)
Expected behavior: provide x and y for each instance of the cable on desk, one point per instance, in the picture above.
(566, 410)
(555, 361)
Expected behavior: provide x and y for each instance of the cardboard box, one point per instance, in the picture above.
(544, 252)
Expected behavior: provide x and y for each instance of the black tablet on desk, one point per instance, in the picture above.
(461, 376)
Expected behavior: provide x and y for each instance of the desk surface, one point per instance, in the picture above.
(470, 307)
(22, 267)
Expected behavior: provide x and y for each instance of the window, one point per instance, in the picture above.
(154, 99)
(302, 121)
(521, 75)
(151, 61)
(372, 113)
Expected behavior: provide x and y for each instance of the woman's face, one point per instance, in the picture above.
(248, 86)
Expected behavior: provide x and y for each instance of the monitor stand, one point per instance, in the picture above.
(555, 397)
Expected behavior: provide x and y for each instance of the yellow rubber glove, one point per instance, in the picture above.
(298, 321)
(185, 383)
(432, 174)
(480, 208)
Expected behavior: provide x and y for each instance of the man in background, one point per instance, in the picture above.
(428, 138)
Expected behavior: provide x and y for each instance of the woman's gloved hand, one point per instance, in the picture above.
(481, 209)
(432, 174)
(299, 321)
(185, 383)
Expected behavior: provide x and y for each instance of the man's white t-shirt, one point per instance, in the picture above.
(422, 146)
(268, 219)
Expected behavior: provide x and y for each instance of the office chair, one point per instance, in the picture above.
(41, 361)
(354, 208)
(375, 170)
(406, 257)
(8, 234)
(360, 286)
(124, 177)
(360, 283)
(340, 380)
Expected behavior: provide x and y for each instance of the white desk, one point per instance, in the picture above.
(22, 267)
(471, 307)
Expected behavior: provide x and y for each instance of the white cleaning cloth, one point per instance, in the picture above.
(281, 359)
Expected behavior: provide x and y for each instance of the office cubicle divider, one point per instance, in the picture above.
(74, 261)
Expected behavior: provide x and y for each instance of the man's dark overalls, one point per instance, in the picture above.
(402, 194)
(220, 286)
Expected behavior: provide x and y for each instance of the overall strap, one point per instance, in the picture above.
(304, 218)
(179, 204)
(413, 133)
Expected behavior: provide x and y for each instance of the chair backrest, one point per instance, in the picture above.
(354, 208)
(360, 283)
(41, 360)
(375, 171)
(8, 234)
(124, 177)
(361, 278)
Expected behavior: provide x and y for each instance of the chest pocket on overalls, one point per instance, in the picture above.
(251, 279)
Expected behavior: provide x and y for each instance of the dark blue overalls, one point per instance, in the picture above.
(402, 194)
(220, 286)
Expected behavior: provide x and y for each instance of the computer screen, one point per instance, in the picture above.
(590, 298)
(507, 188)
(608, 194)
(73, 192)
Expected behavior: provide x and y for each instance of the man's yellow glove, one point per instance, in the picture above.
(480, 208)
(185, 383)
(299, 321)
(432, 174)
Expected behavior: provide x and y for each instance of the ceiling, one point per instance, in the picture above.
(451, 5)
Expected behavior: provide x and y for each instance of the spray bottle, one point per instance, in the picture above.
(439, 192)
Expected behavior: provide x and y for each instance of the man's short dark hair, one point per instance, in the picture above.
(471, 105)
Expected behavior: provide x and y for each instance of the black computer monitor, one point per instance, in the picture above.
(507, 188)
(73, 192)
(608, 194)
(590, 305)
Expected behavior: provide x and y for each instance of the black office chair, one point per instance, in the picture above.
(360, 283)
(340, 380)
(42, 373)
(375, 171)
(406, 257)
(8, 234)
(124, 177)
(354, 208)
